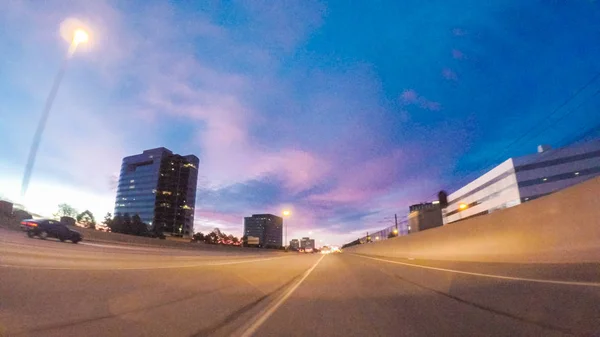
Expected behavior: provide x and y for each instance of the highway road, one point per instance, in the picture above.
(49, 288)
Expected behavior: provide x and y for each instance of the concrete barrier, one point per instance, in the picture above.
(562, 227)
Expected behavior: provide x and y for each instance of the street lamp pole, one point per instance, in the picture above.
(80, 36)
(286, 213)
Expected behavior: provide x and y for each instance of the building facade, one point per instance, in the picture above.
(523, 179)
(295, 244)
(307, 242)
(424, 216)
(267, 227)
(160, 187)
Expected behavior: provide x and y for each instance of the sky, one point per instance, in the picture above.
(344, 112)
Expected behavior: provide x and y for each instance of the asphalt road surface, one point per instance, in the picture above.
(49, 288)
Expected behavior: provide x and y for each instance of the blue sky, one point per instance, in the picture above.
(344, 112)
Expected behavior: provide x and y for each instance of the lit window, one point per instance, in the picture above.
(131, 187)
(132, 181)
(576, 173)
(545, 179)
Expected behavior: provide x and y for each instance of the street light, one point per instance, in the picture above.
(80, 36)
(461, 207)
(77, 36)
(286, 213)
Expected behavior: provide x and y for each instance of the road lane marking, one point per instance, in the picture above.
(511, 278)
(208, 264)
(266, 314)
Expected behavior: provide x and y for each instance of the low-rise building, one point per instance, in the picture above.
(424, 216)
(307, 242)
(523, 179)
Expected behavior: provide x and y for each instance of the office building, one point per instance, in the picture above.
(307, 242)
(267, 227)
(295, 244)
(424, 216)
(160, 187)
(523, 179)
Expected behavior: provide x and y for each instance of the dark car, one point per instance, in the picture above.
(45, 228)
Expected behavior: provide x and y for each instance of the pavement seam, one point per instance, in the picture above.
(481, 307)
(510, 278)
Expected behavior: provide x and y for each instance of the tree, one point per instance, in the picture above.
(211, 238)
(107, 219)
(117, 225)
(138, 227)
(157, 230)
(198, 237)
(443, 198)
(127, 224)
(87, 219)
(65, 210)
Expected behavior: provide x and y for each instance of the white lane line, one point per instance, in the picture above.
(266, 314)
(208, 264)
(511, 278)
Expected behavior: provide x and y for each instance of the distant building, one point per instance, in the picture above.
(522, 179)
(424, 216)
(267, 227)
(160, 187)
(6, 207)
(295, 244)
(307, 242)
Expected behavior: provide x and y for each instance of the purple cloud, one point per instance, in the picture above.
(459, 32)
(411, 97)
(457, 54)
(449, 74)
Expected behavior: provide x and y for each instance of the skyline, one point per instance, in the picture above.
(342, 115)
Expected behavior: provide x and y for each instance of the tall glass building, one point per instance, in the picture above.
(160, 187)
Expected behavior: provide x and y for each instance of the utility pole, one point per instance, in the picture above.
(396, 221)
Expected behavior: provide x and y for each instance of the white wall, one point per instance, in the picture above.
(496, 196)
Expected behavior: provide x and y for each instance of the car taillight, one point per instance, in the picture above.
(29, 224)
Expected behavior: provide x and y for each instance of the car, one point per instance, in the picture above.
(47, 228)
